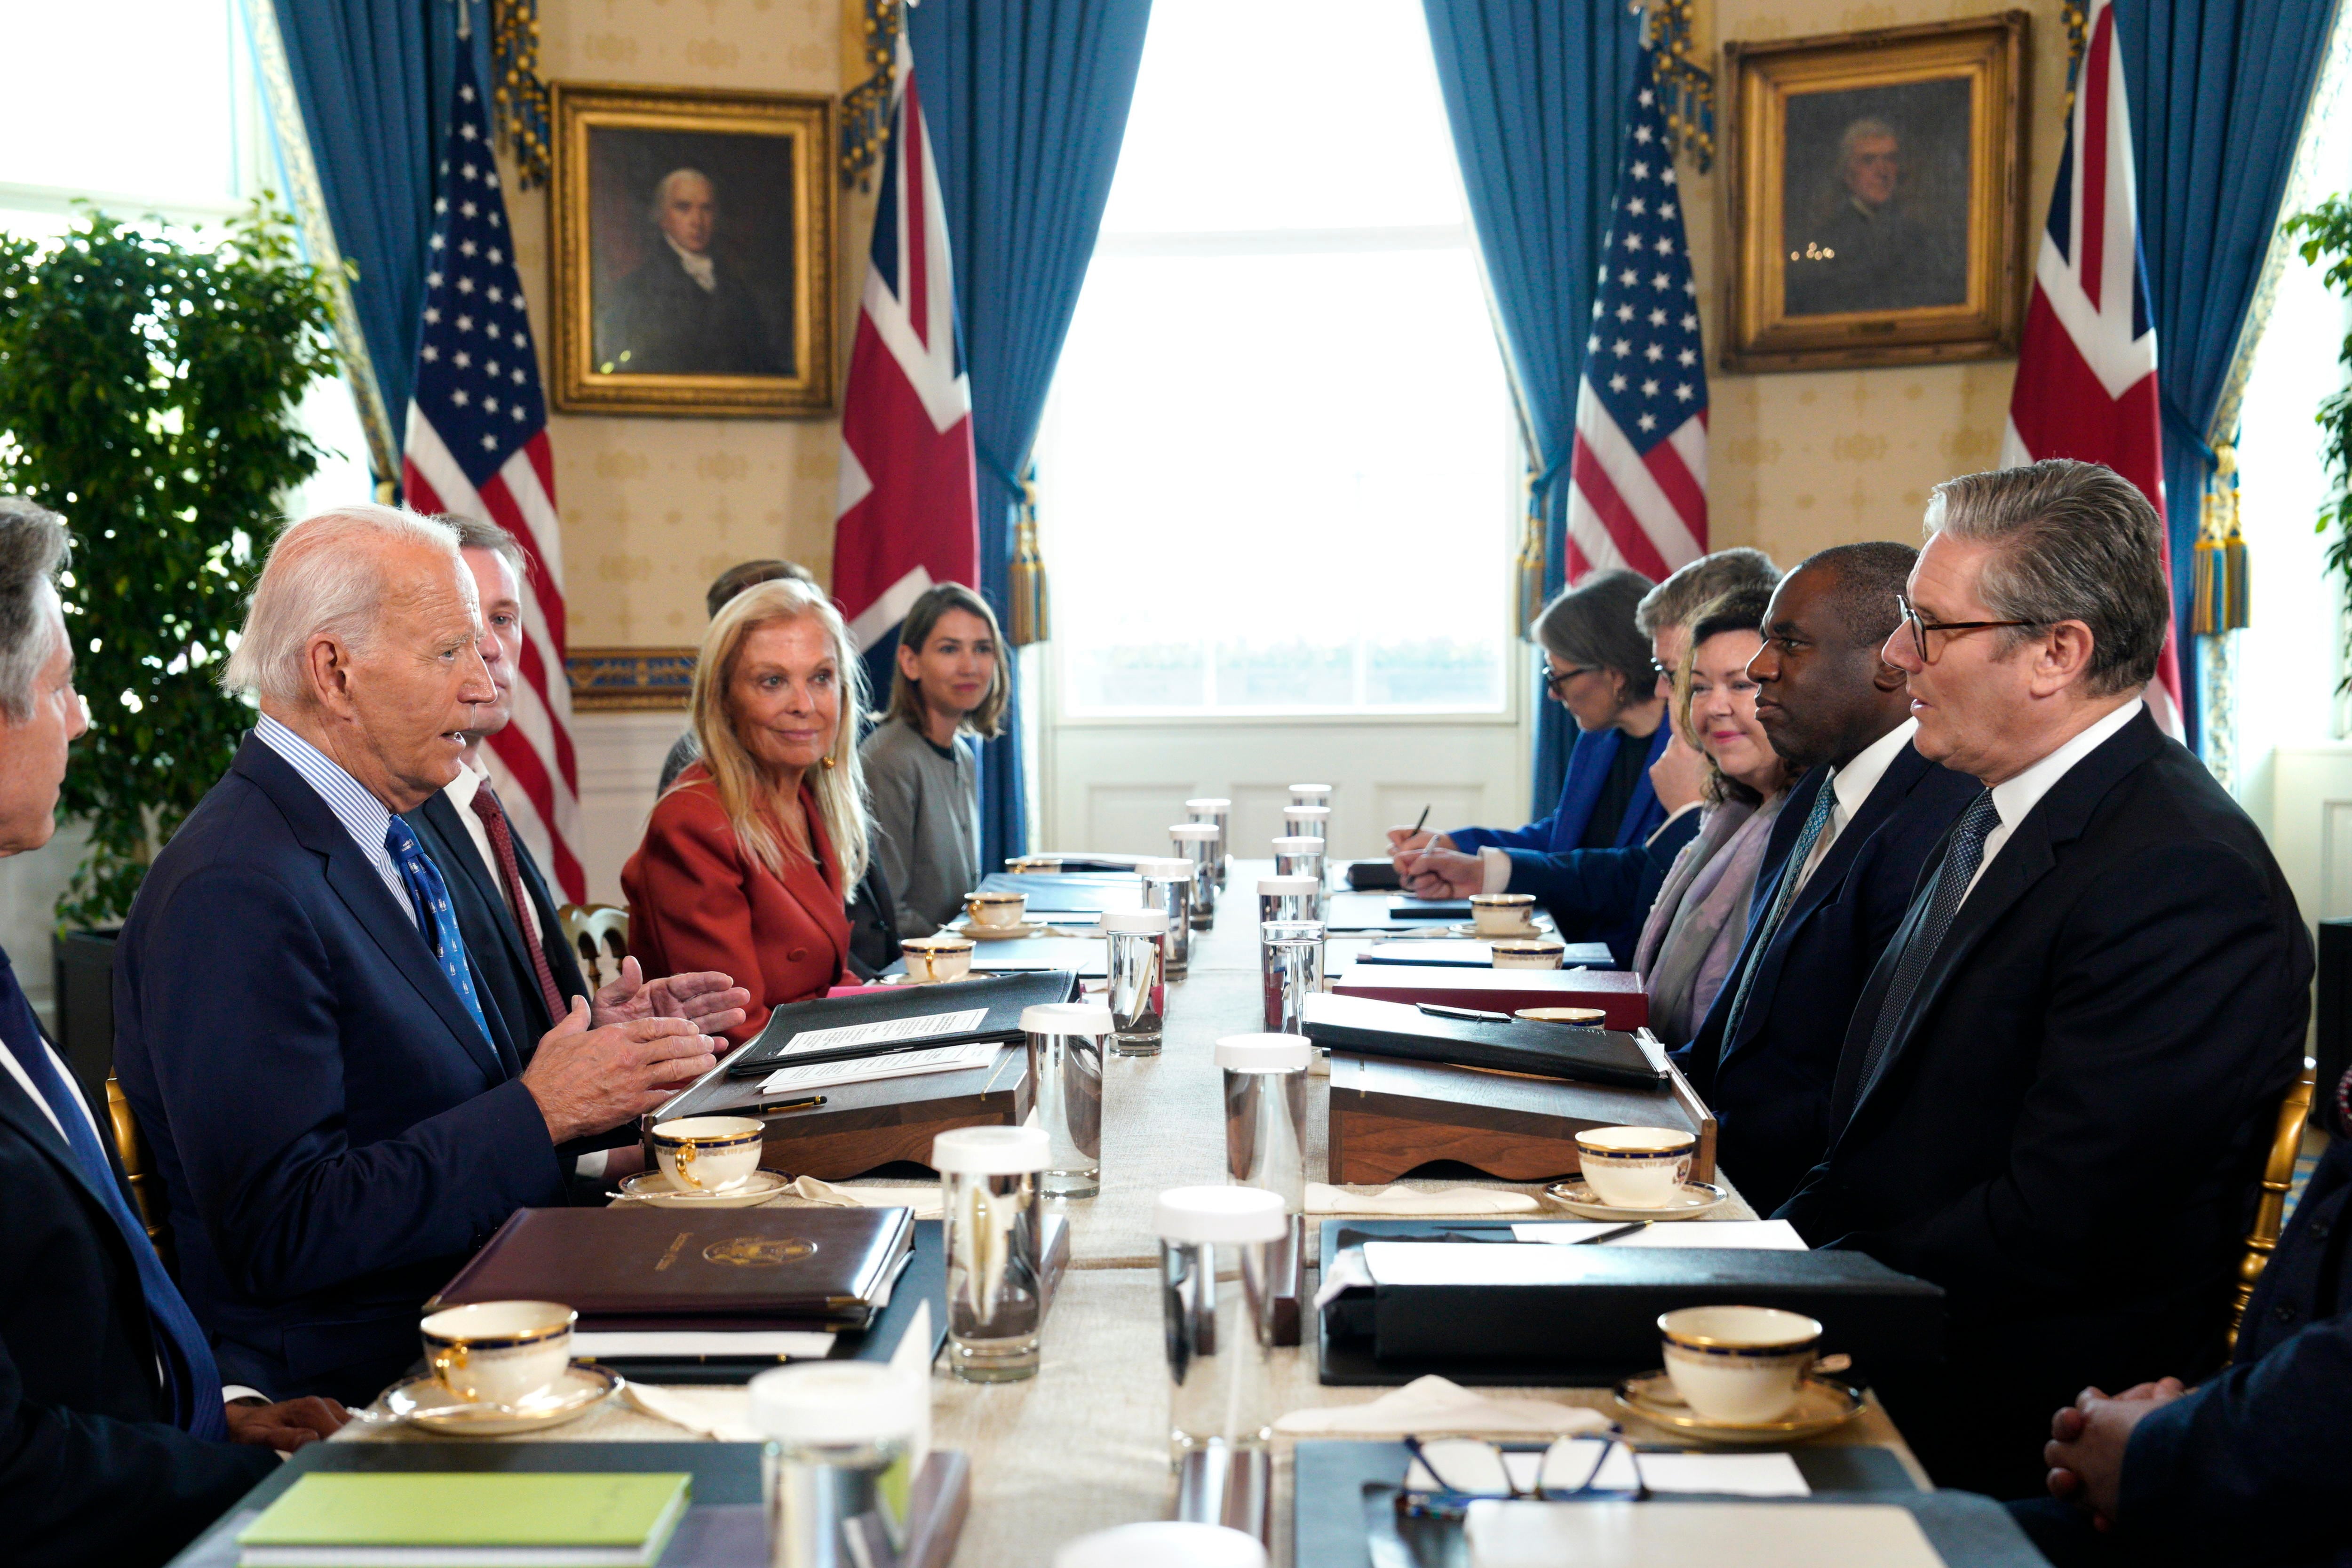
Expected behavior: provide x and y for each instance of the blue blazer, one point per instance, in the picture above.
(1770, 1086)
(1588, 768)
(333, 1133)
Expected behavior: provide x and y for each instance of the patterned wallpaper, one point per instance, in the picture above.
(655, 508)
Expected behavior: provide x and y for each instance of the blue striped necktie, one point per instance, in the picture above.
(1961, 858)
(191, 1377)
(1817, 821)
(429, 896)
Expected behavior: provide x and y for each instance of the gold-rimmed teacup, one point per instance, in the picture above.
(1635, 1167)
(1530, 952)
(998, 911)
(932, 959)
(1503, 914)
(709, 1154)
(499, 1352)
(1744, 1365)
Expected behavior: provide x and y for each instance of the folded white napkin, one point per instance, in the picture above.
(1433, 1405)
(1402, 1200)
(721, 1414)
(924, 1201)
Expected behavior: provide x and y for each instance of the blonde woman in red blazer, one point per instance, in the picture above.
(748, 856)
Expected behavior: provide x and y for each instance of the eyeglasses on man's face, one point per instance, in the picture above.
(1920, 626)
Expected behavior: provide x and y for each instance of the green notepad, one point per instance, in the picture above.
(441, 1519)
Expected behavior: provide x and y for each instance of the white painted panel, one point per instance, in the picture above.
(2311, 825)
(1449, 806)
(1131, 819)
(1257, 814)
(620, 757)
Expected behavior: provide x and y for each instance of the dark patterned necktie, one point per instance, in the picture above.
(1817, 822)
(500, 833)
(1961, 858)
(429, 896)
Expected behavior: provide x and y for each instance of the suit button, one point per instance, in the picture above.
(795, 955)
(2284, 1313)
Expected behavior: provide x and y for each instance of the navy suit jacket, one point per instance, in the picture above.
(493, 939)
(2068, 1127)
(91, 1469)
(333, 1133)
(1770, 1086)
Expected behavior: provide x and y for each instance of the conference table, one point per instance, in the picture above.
(1084, 1445)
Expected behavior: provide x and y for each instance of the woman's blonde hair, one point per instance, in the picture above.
(922, 617)
(743, 785)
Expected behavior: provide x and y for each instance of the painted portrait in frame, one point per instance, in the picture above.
(693, 252)
(1876, 196)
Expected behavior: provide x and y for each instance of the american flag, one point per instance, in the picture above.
(2086, 370)
(477, 446)
(909, 515)
(1637, 478)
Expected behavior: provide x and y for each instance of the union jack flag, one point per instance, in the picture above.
(909, 517)
(1637, 477)
(2086, 370)
(477, 446)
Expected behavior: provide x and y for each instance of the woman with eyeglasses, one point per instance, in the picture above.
(1695, 927)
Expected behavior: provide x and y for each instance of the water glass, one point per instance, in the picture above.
(1287, 898)
(1198, 843)
(1168, 888)
(1216, 1295)
(1215, 808)
(1065, 1075)
(1307, 821)
(838, 1461)
(1310, 795)
(1265, 1113)
(1290, 965)
(1139, 998)
(1302, 858)
(997, 1304)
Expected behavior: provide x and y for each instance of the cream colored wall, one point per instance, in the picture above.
(655, 508)
(1802, 459)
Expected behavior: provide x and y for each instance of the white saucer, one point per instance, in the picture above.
(979, 932)
(426, 1402)
(951, 980)
(1696, 1199)
(1470, 929)
(1823, 1404)
(654, 1187)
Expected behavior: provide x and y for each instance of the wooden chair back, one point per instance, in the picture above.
(2270, 1211)
(138, 1166)
(599, 933)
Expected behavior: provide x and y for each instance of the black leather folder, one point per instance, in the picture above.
(1004, 997)
(1429, 909)
(1595, 1321)
(1374, 876)
(1069, 893)
(1465, 1037)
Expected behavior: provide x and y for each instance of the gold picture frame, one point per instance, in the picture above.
(1875, 188)
(694, 234)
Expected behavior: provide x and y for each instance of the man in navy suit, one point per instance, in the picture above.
(116, 1443)
(2058, 1083)
(1860, 822)
(338, 1117)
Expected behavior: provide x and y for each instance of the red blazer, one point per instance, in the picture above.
(698, 901)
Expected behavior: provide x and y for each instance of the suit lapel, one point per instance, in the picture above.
(19, 1111)
(466, 861)
(1588, 765)
(353, 879)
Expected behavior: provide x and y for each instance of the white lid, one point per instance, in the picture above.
(1163, 1543)
(1305, 813)
(1264, 1053)
(991, 1151)
(1163, 868)
(1311, 789)
(1270, 887)
(1193, 832)
(1298, 844)
(1208, 803)
(1219, 1214)
(837, 1402)
(1151, 922)
(1065, 1018)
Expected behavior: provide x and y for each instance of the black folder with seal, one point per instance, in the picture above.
(885, 1021)
(1432, 1297)
(1468, 1036)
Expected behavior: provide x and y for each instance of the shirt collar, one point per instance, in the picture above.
(1854, 780)
(362, 815)
(2014, 797)
(702, 268)
(461, 789)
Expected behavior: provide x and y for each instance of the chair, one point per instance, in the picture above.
(138, 1166)
(2270, 1210)
(597, 932)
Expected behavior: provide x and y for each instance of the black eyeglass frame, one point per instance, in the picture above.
(1449, 1500)
(1920, 626)
(1554, 679)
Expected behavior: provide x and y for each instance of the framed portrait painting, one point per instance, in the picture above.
(1876, 208)
(693, 251)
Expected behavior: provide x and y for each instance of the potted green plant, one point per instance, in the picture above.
(149, 391)
(2327, 228)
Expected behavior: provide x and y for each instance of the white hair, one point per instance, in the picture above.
(670, 181)
(325, 576)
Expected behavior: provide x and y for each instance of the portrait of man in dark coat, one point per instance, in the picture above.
(683, 310)
(1878, 232)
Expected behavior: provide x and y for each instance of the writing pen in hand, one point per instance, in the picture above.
(1418, 825)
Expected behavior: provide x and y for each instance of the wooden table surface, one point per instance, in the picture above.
(1083, 1445)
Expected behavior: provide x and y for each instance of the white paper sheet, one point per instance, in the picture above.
(1769, 1235)
(1737, 1475)
(871, 1069)
(889, 1032)
(1677, 1535)
(798, 1344)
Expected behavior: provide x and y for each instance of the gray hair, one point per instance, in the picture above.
(1677, 601)
(32, 548)
(2073, 541)
(323, 579)
(473, 533)
(1593, 625)
(1868, 128)
(661, 190)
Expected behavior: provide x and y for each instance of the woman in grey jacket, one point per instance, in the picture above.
(952, 682)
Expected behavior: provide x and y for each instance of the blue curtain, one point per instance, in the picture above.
(1028, 103)
(2219, 90)
(1536, 93)
(373, 79)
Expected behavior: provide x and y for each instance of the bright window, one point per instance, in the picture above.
(1279, 468)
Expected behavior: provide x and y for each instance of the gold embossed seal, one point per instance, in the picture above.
(757, 1251)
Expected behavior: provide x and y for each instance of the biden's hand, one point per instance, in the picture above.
(712, 1001)
(594, 1079)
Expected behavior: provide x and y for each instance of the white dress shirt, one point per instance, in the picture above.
(461, 791)
(24, 1081)
(2021, 794)
(1850, 787)
(702, 268)
(364, 817)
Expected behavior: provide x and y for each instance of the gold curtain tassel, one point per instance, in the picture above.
(1532, 564)
(1031, 622)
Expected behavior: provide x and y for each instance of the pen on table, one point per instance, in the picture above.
(806, 1102)
(1610, 1234)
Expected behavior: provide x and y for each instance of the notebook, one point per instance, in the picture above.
(333, 1519)
(903, 1018)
